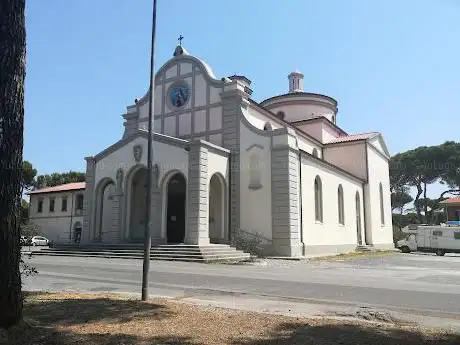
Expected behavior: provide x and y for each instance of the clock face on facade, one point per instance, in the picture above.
(179, 94)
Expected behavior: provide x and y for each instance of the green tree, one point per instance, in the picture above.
(12, 75)
(55, 179)
(28, 175)
(24, 211)
(400, 199)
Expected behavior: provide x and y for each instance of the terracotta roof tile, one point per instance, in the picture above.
(60, 188)
(354, 137)
(455, 200)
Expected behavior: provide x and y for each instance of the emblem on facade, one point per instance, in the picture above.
(137, 152)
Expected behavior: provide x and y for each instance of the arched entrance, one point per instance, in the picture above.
(105, 194)
(138, 190)
(358, 219)
(175, 210)
(216, 209)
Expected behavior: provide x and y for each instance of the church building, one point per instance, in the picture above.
(222, 162)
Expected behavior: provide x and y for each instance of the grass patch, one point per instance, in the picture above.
(106, 319)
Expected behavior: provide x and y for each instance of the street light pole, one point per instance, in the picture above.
(147, 237)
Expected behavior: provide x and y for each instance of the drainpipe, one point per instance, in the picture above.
(71, 218)
(301, 204)
(229, 198)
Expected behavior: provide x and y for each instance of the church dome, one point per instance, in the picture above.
(298, 105)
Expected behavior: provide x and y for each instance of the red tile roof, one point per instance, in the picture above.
(354, 137)
(60, 188)
(455, 200)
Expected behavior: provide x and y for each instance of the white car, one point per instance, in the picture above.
(39, 241)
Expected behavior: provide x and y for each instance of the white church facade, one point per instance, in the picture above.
(281, 168)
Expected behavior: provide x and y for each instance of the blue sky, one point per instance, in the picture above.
(392, 65)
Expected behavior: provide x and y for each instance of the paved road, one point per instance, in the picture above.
(413, 283)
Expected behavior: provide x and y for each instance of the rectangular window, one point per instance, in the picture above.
(79, 202)
(437, 233)
(64, 205)
(40, 206)
(52, 201)
(457, 235)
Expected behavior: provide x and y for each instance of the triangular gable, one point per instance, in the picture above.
(144, 134)
(379, 143)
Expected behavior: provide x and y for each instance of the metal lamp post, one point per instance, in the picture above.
(147, 238)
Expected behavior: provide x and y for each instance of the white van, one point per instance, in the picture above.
(433, 239)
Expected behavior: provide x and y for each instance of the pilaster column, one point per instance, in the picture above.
(197, 229)
(88, 208)
(233, 98)
(285, 201)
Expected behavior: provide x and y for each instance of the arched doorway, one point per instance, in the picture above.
(358, 219)
(138, 190)
(216, 209)
(175, 210)
(104, 209)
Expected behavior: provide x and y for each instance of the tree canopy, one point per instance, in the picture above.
(421, 167)
(55, 179)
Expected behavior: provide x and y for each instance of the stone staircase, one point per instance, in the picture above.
(171, 252)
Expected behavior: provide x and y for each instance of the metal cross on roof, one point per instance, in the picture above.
(180, 40)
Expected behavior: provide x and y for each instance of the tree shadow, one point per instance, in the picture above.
(348, 334)
(44, 336)
(77, 311)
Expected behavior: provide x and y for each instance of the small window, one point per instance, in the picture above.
(268, 126)
(457, 235)
(40, 206)
(64, 205)
(79, 205)
(333, 119)
(281, 115)
(52, 202)
(437, 233)
(382, 206)
(315, 153)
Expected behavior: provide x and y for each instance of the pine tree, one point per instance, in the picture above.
(12, 75)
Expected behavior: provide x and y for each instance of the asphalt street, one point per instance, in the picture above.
(411, 283)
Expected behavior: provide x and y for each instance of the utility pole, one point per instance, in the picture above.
(147, 237)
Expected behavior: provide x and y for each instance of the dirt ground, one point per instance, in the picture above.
(61, 319)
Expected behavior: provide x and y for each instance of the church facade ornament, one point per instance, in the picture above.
(137, 153)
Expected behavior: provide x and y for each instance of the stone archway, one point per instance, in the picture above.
(217, 209)
(176, 190)
(137, 205)
(104, 209)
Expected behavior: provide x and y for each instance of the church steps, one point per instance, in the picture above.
(213, 252)
(152, 257)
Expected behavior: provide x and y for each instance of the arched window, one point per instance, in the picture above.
(281, 115)
(315, 153)
(268, 126)
(341, 205)
(382, 210)
(318, 199)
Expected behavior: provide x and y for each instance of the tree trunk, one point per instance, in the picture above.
(425, 203)
(12, 74)
(417, 206)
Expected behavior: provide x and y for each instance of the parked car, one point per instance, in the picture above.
(39, 241)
